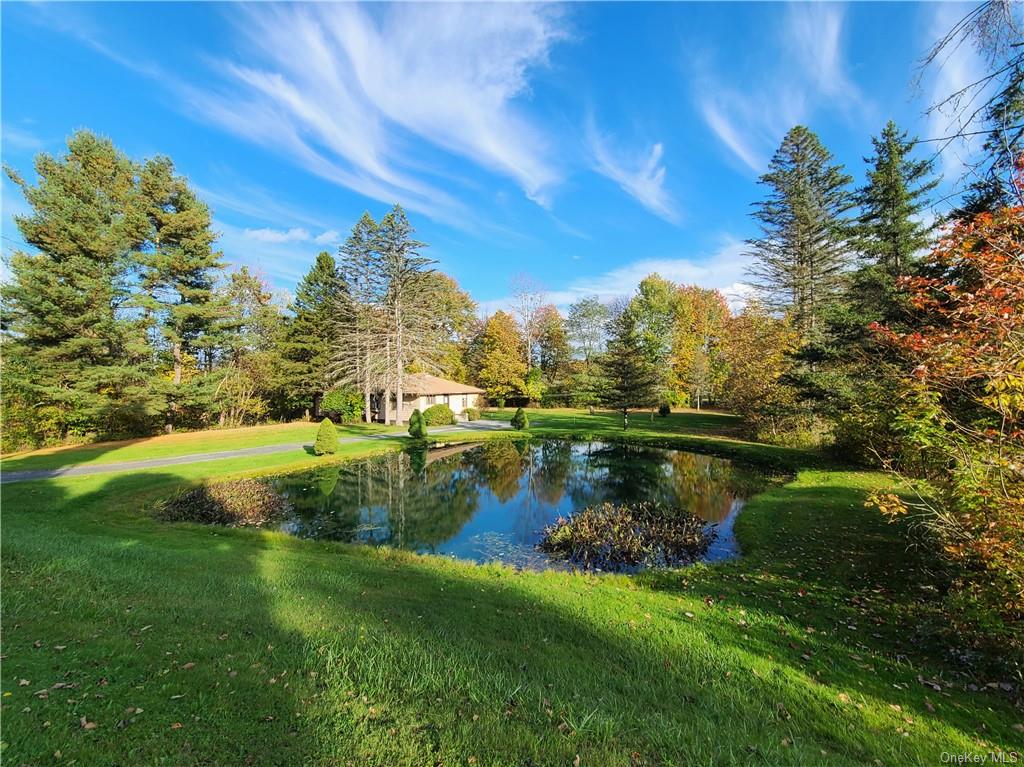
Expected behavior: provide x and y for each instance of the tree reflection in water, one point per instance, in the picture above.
(492, 501)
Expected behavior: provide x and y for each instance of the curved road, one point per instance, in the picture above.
(156, 463)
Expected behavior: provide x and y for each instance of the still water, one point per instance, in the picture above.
(491, 502)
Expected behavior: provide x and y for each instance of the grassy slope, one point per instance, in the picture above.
(809, 650)
(185, 443)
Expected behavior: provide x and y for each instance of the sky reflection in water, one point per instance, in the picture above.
(492, 501)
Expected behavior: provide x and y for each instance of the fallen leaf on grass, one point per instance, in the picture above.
(86, 724)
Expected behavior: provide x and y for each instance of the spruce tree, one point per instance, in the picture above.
(310, 333)
(802, 251)
(178, 270)
(889, 230)
(632, 380)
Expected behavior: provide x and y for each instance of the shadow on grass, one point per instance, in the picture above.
(320, 653)
(138, 642)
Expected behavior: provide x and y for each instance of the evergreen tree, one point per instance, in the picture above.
(802, 251)
(408, 303)
(178, 270)
(890, 232)
(310, 333)
(417, 426)
(326, 438)
(68, 305)
(361, 353)
(519, 420)
(633, 380)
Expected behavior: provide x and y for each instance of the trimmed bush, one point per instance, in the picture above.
(235, 504)
(326, 438)
(519, 420)
(664, 410)
(417, 425)
(438, 415)
(472, 414)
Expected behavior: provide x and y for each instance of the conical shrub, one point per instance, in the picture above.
(326, 438)
(519, 420)
(417, 427)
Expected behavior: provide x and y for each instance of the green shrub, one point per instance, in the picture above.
(438, 415)
(664, 410)
(417, 425)
(519, 420)
(472, 414)
(237, 503)
(326, 438)
(345, 405)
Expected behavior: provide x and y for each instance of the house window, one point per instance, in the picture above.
(464, 398)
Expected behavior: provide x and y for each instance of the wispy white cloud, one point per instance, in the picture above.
(295, 234)
(640, 174)
(750, 118)
(330, 237)
(722, 269)
(282, 261)
(14, 137)
(342, 90)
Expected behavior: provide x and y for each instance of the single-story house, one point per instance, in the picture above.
(421, 390)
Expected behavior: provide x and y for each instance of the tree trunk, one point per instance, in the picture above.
(316, 405)
(176, 353)
(399, 409)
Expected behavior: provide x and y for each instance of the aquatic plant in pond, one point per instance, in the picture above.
(234, 503)
(493, 501)
(614, 536)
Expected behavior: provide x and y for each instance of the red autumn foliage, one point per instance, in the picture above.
(963, 410)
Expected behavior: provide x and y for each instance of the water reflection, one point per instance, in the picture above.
(491, 501)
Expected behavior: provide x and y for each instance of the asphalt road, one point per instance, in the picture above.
(156, 463)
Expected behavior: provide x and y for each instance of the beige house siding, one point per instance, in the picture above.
(457, 402)
(422, 390)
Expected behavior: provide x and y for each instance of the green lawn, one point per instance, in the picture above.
(248, 647)
(166, 446)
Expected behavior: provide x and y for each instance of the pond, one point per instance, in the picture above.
(491, 501)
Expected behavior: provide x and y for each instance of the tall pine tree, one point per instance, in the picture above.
(890, 230)
(179, 268)
(632, 380)
(68, 305)
(802, 251)
(310, 333)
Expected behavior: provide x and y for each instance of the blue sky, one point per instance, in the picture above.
(584, 145)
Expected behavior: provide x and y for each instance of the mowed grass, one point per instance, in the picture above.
(819, 646)
(186, 443)
(702, 422)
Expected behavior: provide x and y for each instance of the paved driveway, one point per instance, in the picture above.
(156, 463)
